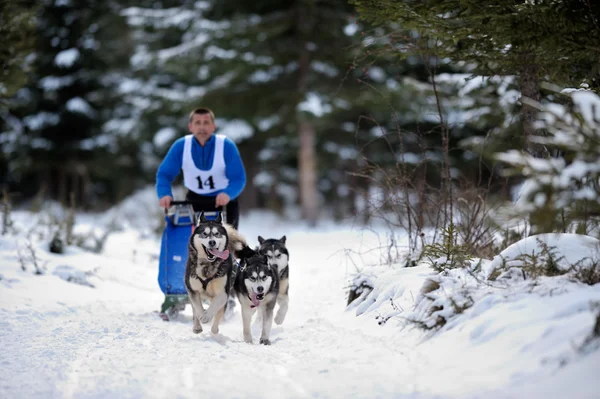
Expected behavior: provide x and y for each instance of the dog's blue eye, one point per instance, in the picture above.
(252, 279)
(217, 234)
(278, 256)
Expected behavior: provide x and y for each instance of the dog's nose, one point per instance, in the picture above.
(212, 243)
(260, 289)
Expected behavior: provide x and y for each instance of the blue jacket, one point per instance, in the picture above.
(203, 156)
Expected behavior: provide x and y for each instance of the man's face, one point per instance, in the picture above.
(202, 127)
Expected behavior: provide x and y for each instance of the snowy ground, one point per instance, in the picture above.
(87, 328)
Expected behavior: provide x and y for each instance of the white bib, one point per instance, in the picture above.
(204, 182)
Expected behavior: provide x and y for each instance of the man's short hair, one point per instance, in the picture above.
(202, 111)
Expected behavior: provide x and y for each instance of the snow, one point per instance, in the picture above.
(314, 104)
(40, 120)
(164, 137)
(66, 58)
(87, 326)
(79, 105)
(236, 130)
(52, 83)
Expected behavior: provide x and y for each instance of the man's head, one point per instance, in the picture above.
(202, 124)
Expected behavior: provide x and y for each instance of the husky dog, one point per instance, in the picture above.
(278, 257)
(256, 287)
(209, 269)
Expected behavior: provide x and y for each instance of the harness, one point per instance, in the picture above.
(219, 273)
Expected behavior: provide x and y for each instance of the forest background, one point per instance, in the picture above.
(422, 112)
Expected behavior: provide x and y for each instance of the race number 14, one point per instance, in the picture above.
(208, 182)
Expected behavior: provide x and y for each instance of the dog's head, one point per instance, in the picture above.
(275, 251)
(257, 275)
(210, 237)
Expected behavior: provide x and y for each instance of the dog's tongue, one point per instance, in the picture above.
(254, 299)
(219, 254)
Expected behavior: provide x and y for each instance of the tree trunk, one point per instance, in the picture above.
(307, 172)
(530, 89)
(542, 220)
(307, 175)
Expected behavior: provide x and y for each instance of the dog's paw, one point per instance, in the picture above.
(206, 317)
(248, 339)
(265, 341)
(214, 330)
(197, 329)
(279, 318)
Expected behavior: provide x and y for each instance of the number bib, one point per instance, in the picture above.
(200, 181)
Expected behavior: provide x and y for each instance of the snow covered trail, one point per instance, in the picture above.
(88, 328)
(71, 341)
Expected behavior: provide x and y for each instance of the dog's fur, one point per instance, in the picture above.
(278, 257)
(257, 287)
(209, 269)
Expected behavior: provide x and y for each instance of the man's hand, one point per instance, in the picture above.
(165, 202)
(222, 199)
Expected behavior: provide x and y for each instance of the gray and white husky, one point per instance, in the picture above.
(209, 269)
(278, 257)
(257, 287)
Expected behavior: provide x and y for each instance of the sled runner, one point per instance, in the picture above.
(180, 224)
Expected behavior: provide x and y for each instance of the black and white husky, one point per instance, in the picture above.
(278, 257)
(209, 269)
(257, 287)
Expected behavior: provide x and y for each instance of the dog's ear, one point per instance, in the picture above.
(282, 239)
(260, 240)
(246, 252)
(219, 218)
(202, 218)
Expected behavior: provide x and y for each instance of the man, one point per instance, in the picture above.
(213, 174)
(213, 171)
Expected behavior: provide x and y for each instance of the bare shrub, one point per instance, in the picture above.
(30, 258)
(7, 222)
(587, 271)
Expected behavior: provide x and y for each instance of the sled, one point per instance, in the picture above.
(180, 223)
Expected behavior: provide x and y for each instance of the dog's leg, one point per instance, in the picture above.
(216, 304)
(283, 300)
(246, 319)
(218, 317)
(267, 323)
(197, 312)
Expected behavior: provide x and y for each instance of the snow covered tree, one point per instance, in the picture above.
(563, 193)
(539, 40)
(52, 131)
(269, 70)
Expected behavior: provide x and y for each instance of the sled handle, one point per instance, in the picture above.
(192, 202)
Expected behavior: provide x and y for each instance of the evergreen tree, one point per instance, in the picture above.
(243, 60)
(17, 29)
(265, 63)
(55, 142)
(534, 40)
